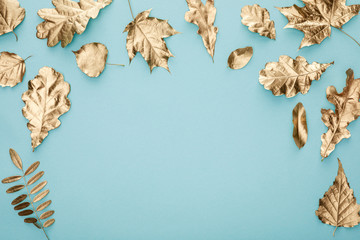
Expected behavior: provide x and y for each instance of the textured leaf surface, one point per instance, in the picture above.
(40, 196)
(317, 17)
(45, 101)
(240, 57)
(338, 207)
(43, 205)
(300, 132)
(11, 15)
(11, 179)
(26, 212)
(19, 199)
(347, 109)
(30, 220)
(91, 58)
(22, 206)
(32, 168)
(146, 35)
(258, 20)
(289, 76)
(48, 223)
(47, 214)
(68, 17)
(15, 188)
(15, 158)
(38, 187)
(35, 178)
(12, 69)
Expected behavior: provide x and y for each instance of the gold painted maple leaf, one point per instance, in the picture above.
(317, 17)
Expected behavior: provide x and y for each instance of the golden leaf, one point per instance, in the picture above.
(347, 109)
(26, 212)
(146, 35)
(11, 179)
(34, 178)
(68, 17)
(30, 220)
(300, 132)
(204, 17)
(11, 15)
(289, 76)
(317, 17)
(240, 57)
(41, 196)
(338, 207)
(43, 205)
(15, 189)
(47, 214)
(15, 158)
(22, 206)
(19, 199)
(38, 187)
(12, 69)
(45, 101)
(32, 168)
(49, 222)
(91, 58)
(258, 20)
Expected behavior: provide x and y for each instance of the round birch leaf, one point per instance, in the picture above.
(240, 57)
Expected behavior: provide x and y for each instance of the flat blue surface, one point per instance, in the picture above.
(203, 153)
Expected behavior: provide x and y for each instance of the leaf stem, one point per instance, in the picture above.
(348, 35)
(15, 35)
(335, 231)
(132, 14)
(32, 204)
(115, 64)
(27, 58)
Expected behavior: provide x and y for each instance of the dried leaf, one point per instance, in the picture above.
(11, 15)
(347, 109)
(43, 205)
(240, 57)
(11, 179)
(289, 76)
(22, 206)
(48, 223)
(12, 68)
(338, 207)
(26, 212)
(317, 17)
(91, 58)
(47, 214)
(68, 17)
(45, 101)
(30, 220)
(40, 196)
(146, 35)
(38, 187)
(204, 17)
(35, 178)
(258, 20)
(15, 158)
(32, 168)
(15, 188)
(300, 132)
(19, 199)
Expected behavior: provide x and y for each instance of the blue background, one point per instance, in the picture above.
(202, 153)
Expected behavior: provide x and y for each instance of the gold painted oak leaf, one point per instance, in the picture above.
(347, 109)
(317, 17)
(11, 15)
(300, 132)
(289, 76)
(45, 101)
(12, 69)
(91, 58)
(204, 17)
(338, 207)
(258, 20)
(146, 35)
(68, 17)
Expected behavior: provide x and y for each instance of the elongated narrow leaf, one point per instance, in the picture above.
(240, 57)
(300, 132)
(41, 196)
(38, 187)
(30, 220)
(11, 15)
(26, 212)
(11, 179)
(15, 188)
(19, 199)
(12, 68)
(47, 214)
(48, 223)
(35, 178)
(43, 205)
(45, 101)
(22, 206)
(15, 158)
(338, 207)
(32, 168)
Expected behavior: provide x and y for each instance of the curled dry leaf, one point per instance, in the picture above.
(347, 109)
(146, 35)
(300, 133)
(258, 20)
(240, 57)
(204, 17)
(91, 58)
(289, 76)
(11, 15)
(12, 69)
(316, 18)
(338, 207)
(45, 101)
(68, 17)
